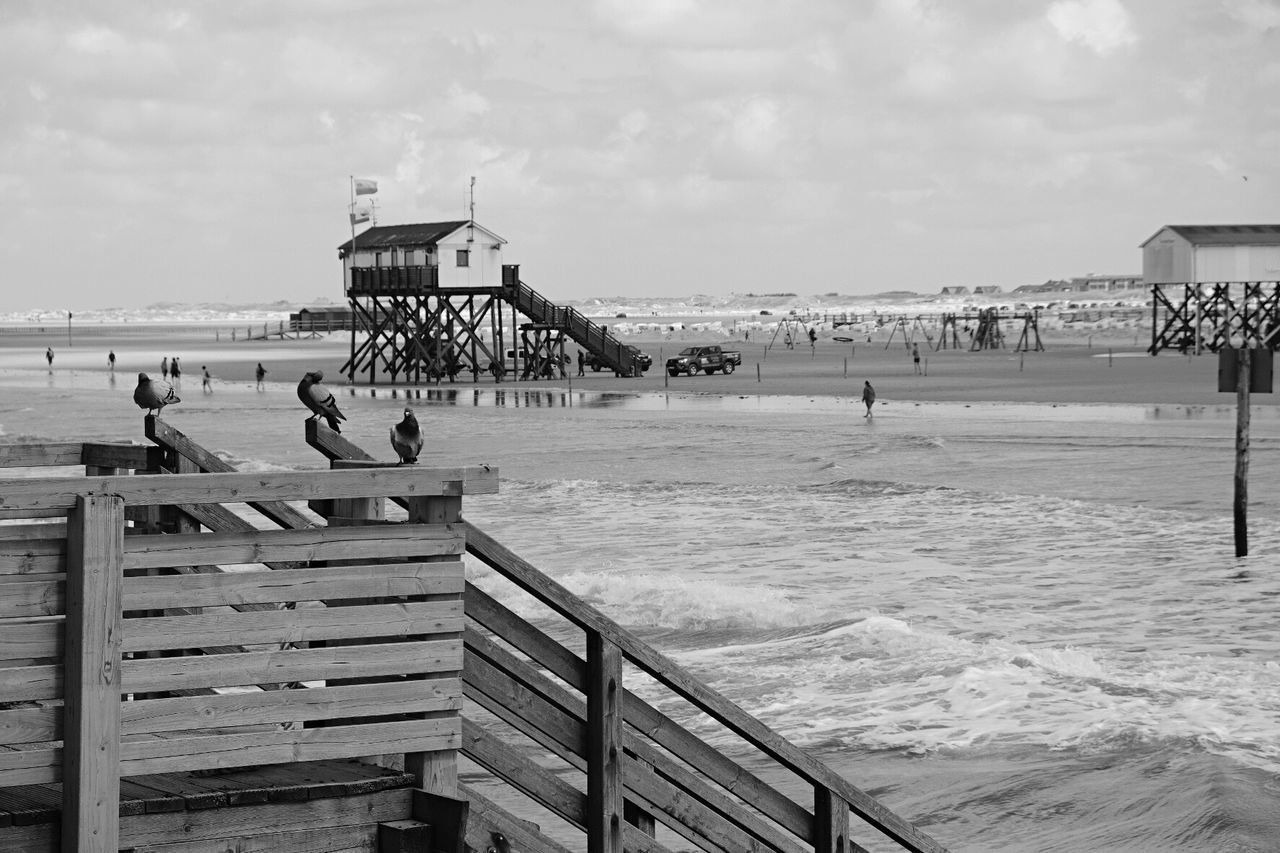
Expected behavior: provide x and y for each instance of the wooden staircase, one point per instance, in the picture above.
(619, 357)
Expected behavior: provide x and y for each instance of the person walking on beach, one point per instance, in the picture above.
(111, 361)
(164, 367)
(260, 373)
(915, 356)
(582, 363)
(175, 372)
(205, 385)
(48, 355)
(868, 396)
(813, 338)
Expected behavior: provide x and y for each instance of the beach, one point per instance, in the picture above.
(1007, 605)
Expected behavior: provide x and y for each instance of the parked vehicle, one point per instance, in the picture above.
(708, 359)
(592, 361)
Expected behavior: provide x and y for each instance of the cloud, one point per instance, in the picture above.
(1102, 25)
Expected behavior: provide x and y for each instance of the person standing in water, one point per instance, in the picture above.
(915, 356)
(260, 373)
(164, 367)
(868, 397)
(48, 355)
(111, 361)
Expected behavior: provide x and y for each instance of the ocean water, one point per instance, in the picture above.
(1022, 627)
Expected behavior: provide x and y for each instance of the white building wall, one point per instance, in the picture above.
(1237, 263)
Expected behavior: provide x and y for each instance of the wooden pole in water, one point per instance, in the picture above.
(1242, 454)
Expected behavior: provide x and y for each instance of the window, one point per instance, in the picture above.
(464, 257)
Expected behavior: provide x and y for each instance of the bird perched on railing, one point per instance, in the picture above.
(319, 400)
(153, 394)
(406, 438)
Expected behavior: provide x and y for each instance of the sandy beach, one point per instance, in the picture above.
(1070, 370)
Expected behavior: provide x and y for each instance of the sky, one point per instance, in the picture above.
(169, 150)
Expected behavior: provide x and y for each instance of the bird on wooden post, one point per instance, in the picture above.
(320, 400)
(153, 394)
(406, 438)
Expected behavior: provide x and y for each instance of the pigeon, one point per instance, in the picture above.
(153, 394)
(406, 438)
(319, 400)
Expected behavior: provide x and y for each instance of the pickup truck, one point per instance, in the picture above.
(708, 359)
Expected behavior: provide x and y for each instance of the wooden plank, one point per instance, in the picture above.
(152, 675)
(32, 551)
(25, 596)
(164, 755)
(140, 830)
(39, 838)
(536, 782)
(20, 531)
(57, 494)
(448, 817)
(107, 455)
(488, 819)
(342, 543)
(314, 703)
(30, 766)
(552, 717)
(831, 823)
(357, 838)
(166, 436)
(40, 454)
(56, 512)
(329, 583)
(30, 725)
(571, 669)
(34, 639)
(604, 746)
(668, 673)
(392, 619)
(28, 683)
(91, 753)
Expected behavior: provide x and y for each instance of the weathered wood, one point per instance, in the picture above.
(30, 766)
(138, 831)
(30, 552)
(345, 543)
(447, 815)
(57, 494)
(167, 436)
(30, 725)
(31, 682)
(336, 582)
(1240, 480)
(556, 719)
(356, 838)
(315, 703)
(40, 455)
(157, 674)
(91, 753)
(604, 746)
(571, 669)
(831, 822)
(700, 695)
(488, 819)
(204, 751)
(106, 455)
(405, 836)
(535, 781)
(32, 512)
(30, 596)
(292, 626)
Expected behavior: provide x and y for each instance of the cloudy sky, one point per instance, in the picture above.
(196, 151)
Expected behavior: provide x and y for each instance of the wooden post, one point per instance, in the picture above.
(91, 717)
(1243, 371)
(435, 772)
(605, 805)
(830, 822)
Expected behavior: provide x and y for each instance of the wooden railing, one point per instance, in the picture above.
(643, 769)
(211, 648)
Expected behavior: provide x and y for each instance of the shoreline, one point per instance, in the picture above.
(1068, 372)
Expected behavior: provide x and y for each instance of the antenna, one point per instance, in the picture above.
(473, 198)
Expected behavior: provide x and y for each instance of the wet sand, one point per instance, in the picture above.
(1070, 370)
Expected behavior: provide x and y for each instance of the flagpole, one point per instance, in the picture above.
(351, 217)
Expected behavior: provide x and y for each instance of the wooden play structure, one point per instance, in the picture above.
(1212, 316)
(202, 660)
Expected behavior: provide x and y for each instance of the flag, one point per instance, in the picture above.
(359, 215)
(366, 186)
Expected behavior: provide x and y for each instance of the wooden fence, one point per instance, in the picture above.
(202, 633)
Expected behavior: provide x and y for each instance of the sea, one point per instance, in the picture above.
(1020, 626)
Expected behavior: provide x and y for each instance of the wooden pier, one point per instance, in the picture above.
(203, 660)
